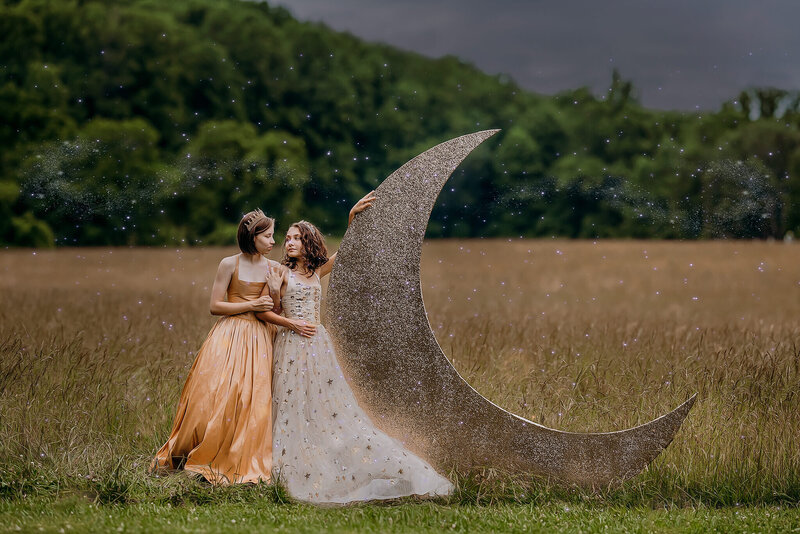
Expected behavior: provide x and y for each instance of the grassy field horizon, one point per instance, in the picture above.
(586, 336)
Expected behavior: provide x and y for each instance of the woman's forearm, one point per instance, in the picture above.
(223, 307)
(274, 318)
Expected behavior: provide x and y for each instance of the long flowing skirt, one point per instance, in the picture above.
(326, 448)
(223, 426)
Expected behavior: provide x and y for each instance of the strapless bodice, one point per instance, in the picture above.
(241, 290)
(301, 300)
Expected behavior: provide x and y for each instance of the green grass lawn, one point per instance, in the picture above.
(77, 514)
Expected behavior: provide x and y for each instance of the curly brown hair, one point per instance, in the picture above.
(315, 253)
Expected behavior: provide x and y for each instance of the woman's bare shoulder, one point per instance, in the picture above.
(277, 265)
(228, 263)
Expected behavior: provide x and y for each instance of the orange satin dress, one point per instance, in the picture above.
(223, 428)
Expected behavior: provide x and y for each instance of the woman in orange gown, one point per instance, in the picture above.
(223, 426)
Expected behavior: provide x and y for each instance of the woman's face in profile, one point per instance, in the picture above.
(265, 240)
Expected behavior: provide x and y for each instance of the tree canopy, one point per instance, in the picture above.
(138, 122)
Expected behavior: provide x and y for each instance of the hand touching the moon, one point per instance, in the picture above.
(365, 202)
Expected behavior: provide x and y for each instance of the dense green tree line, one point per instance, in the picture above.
(145, 122)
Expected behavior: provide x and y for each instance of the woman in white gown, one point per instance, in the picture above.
(325, 447)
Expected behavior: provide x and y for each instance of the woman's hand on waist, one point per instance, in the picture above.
(299, 326)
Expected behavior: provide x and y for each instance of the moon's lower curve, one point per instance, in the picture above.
(387, 349)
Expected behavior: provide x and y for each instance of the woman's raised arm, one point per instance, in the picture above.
(365, 202)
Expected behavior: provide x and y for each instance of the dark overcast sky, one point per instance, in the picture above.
(680, 54)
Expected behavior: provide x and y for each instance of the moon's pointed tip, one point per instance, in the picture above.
(678, 415)
(653, 438)
(688, 403)
(481, 134)
(487, 133)
(473, 139)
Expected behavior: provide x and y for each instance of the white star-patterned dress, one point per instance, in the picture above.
(324, 447)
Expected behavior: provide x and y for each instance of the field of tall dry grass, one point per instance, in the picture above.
(576, 335)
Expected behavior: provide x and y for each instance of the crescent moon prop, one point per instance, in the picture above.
(399, 373)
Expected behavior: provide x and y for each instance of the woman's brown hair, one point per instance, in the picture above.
(315, 252)
(252, 224)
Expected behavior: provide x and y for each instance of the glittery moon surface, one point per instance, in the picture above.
(400, 375)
